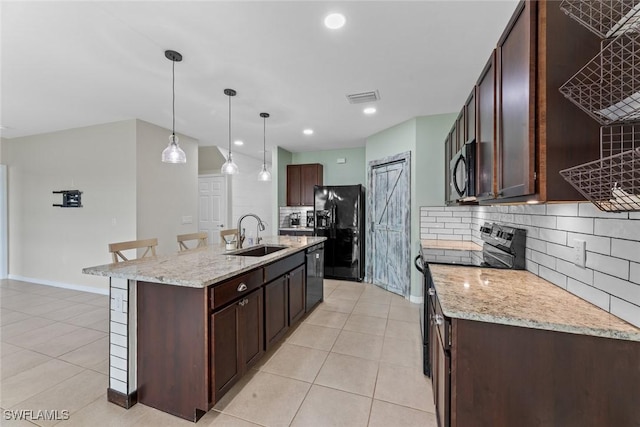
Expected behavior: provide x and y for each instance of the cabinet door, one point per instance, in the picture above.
(297, 296)
(275, 305)
(252, 329)
(460, 130)
(433, 349)
(293, 185)
(470, 117)
(442, 389)
(311, 175)
(447, 173)
(225, 348)
(485, 147)
(516, 109)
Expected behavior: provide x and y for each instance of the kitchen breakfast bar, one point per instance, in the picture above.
(184, 328)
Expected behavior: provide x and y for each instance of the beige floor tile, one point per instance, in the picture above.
(84, 297)
(9, 316)
(337, 304)
(267, 399)
(25, 300)
(404, 330)
(41, 335)
(20, 361)
(71, 394)
(299, 363)
(319, 337)
(101, 412)
(375, 298)
(404, 386)
(14, 422)
(324, 407)
(7, 349)
(6, 292)
(349, 373)
(92, 356)
(100, 301)
(40, 309)
(89, 318)
(400, 301)
(28, 383)
(374, 310)
(402, 352)
(348, 294)
(100, 325)
(72, 310)
(62, 344)
(218, 419)
(358, 345)
(329, 284)
(329, 319)
(55, 292)
(384, 414)
(366, 324)
(405, 313)
(22, 327)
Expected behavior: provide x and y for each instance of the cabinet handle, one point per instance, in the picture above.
(431, 291)
(243, 302)
(438, 319)
(242, 287)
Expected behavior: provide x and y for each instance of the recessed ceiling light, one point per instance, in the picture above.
(238, 142)
(308, 131)
(334, 21)
(369, 110)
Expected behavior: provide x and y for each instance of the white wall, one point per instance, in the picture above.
(52, 244)
(165, 193)
(248, 195)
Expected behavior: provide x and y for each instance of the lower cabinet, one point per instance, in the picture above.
(297, 295)
(236, 341)
(276, 313)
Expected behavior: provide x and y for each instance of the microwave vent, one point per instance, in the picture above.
(362, 97)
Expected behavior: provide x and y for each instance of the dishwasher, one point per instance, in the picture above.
(315, 276)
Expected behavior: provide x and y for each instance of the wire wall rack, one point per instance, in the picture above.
(607, 88)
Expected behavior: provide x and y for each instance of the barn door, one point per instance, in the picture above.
(389, 224)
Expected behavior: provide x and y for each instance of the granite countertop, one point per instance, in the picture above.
(520, 298)
(457, 245)
(199, 268)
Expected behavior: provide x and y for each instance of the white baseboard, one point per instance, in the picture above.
(60, 284)
(416, 300)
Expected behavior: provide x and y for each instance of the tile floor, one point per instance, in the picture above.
(354, 361)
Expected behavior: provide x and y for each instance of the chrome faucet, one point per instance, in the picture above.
(241, 230)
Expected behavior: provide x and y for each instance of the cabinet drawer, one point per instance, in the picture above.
(443, 324)
(228, 291)
(283, 266)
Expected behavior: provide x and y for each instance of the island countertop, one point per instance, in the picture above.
(199, 268)
(520, 298)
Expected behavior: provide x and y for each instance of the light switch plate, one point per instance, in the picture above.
(579, 252)
(118, 303)
(187, 219)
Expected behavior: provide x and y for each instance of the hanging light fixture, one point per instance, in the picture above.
(229, 167)
(264, 174)
(173, 153)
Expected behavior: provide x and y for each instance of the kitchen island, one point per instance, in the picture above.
(184, 328)
(509, 348)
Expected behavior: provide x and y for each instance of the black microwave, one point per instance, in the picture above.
(462, 172)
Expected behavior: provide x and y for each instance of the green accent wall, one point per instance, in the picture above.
(353, 171)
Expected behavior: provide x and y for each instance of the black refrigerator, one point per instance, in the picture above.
(339, 216)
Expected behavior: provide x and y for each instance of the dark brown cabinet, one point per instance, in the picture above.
(486, 138)
(447, 174)
(516, 62)
(276, 313)
(237, 340)
(297, 295)
(460, 131)
(300, 182)
(470, 117)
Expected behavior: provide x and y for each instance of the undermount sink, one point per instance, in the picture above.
(257, 251)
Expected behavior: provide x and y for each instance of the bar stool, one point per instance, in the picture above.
(117, 248)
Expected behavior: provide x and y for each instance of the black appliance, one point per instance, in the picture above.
(315, 275)
(339, 216)
(504, 247)
(310, 219)
(463, 172)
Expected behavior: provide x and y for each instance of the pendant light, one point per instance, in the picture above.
(229, 167)
(264, 174)
(173, 153)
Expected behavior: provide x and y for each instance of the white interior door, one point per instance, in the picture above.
(212, 201)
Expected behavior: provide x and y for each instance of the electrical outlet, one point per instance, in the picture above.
(579, 252)
(187, 219)
(118, 303)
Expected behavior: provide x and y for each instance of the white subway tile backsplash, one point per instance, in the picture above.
(560, 251)
(529, 209)
(118, 351)
(457, 225)
(577, 225)
(120, 340)
(118, 374)
(590, 210)
(118, 317)
(449, 219)
(543, 259)
(634, 272)
(620, 288)
(440, 213)
(465, 214)
(118, 385)
(449, 237)
(427, 219)
(532, 266)
(589, 293)
(599, 244)
(562, 209)
(609, 265)
(553, 276)
(626, 249)
(634, 215)
(625, 310)
(622, 229)
(543, 221)
(536, 244)
(118, 363)
(584, 275)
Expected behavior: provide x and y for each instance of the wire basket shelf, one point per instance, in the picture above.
(617, 139)
(608, 87)
(611, 183)
(606, 18)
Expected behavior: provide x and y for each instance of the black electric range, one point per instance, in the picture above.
(503, 247)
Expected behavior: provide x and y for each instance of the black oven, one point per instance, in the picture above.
(462, 172)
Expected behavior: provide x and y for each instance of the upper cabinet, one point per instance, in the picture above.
(526, 132)
(300, 182)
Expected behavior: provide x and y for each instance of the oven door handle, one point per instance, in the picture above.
(418, 267)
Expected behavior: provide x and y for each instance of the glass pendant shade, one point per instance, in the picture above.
(264, 174)
(173, 153)
(229, 167)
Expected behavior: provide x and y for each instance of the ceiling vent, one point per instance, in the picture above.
(362, 97)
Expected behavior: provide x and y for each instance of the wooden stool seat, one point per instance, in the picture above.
(200, 237)
(117, 248)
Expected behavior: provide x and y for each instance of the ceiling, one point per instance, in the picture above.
(79, 63)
